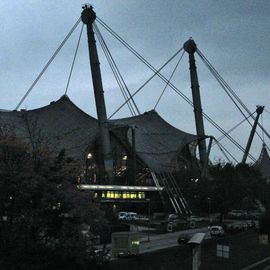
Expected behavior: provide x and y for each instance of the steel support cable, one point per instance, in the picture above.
(173, 192)
(227, 135)
(170, 193)
(232, 92)
(225, 87)
(140, 57)
(121, 40)
(221, 130)
(146, 82)
(131, 109)
(48, 63)
(74, 59)
(121, 79)
(263, 134)
(169, 80)
(263, 129)
(221, 150)
(179, 193)
(223, 81)
(224, 151)
(165, 185)
(262, 125)
(164, 79)
(148, 64)
(233, 128)
(218, 78)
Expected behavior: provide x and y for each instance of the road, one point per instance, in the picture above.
(262, 264)
(165, 240)
(160, 241)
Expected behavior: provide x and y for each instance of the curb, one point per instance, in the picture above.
(256, 264)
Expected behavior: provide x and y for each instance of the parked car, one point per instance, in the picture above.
(122, 215)
(99, 256)
(255, 214)
(237, 227)
(184, 238)
(196, 218)
(216, 231)
(172, 216)
(132, 216)
(127, 216)
(237, 213)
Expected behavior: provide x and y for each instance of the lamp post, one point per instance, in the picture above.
(148, 229)
(209, 208)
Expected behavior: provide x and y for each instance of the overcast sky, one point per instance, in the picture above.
(233, 35)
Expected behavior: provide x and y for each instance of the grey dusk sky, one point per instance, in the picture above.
(233, 35)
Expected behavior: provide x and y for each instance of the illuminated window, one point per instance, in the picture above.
(96, 195)
(133, 195)
(117, 195)
(141, 195)
(124, 195)
(103, 194)
(110, 195)
(89, 155)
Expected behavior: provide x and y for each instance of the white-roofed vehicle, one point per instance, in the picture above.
(122, 215)
(238, 213)
(127, 216)
(216, 231)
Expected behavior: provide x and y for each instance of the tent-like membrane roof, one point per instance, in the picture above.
(62, 125)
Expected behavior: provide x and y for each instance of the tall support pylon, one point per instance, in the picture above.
(259, 111)
(191, 47)
(88, 17)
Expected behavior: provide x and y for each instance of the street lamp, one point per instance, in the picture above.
(148, 230)
(209, 208)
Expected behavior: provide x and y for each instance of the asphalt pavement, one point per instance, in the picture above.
(165, 240)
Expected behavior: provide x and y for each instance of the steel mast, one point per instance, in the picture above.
(88, 17)
(191, 47)
(259, 111)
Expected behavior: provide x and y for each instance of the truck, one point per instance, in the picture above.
(125, 244)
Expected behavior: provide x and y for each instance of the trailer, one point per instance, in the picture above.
(125, 244)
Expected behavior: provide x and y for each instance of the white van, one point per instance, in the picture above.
(130, 216)
(122, 215)
(216, 231)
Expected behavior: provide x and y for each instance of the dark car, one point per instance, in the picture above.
(184, 238)
(99, 256)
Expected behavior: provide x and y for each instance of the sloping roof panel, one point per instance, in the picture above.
(62, 125)
(157, 142)
(263, 163)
